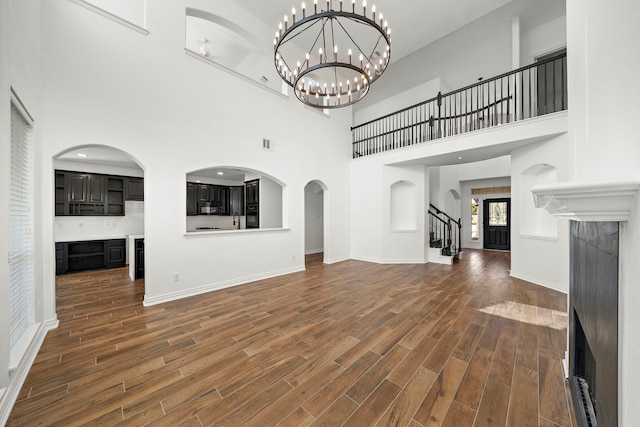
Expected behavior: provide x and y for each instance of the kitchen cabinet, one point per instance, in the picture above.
(92, 194)
(115, 196)
(203, 192)
(236, 200)
(83, 187)
(252, 197)
(116, 253)
(139, 260)
(192, 199)
(89, 255)
(134, 189)
(217, 199)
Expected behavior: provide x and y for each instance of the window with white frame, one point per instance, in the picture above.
(21, 261)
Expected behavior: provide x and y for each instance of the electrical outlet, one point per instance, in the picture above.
(176, 277)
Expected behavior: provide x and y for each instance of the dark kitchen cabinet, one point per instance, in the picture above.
(116, 253)
(252, 202)
(60, 189)
(192, 199)
(139, 245)
(61, 258)
(89, 255)
(88, 188)
(223, 200)
(210, 199)
(203, 192)
(252, 191)
(92, 194)
(134, 189)
(236, 200)
(115, 196)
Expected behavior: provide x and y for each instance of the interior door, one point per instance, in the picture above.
(497, 224)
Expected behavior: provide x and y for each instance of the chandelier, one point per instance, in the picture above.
(331, 56)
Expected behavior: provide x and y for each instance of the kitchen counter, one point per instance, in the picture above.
(64, 239)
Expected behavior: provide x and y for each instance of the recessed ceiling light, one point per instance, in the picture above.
(82, 155)
(220, 173)
(198, 181)
(459, 158)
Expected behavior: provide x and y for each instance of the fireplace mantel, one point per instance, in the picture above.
(588, 201)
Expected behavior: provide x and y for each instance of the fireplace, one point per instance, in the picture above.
(593, 328)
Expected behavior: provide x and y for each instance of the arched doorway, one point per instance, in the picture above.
(98, 211)
(314, 221)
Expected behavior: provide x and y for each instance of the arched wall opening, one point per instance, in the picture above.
(98, 197)
(315, 218)
(452, 204)
(233, 198)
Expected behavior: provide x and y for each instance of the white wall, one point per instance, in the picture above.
(313, 218)
(543, 39)
(20, 68)
(270, 204)
(398, 101)
(603, 138)
(480, 49)
(174, 114)
(539, 257)
(372, 236)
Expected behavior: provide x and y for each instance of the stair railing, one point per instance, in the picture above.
(444, 231)
(530, 91)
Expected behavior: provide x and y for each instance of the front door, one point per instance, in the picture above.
(497, 224)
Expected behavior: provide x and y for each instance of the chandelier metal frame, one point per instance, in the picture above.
(324, 57)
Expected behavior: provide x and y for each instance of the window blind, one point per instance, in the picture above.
(21, 262)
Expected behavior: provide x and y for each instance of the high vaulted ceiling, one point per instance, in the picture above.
(414, 23)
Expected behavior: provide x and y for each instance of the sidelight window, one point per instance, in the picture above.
(474, 218)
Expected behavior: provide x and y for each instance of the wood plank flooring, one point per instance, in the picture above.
(352, 344)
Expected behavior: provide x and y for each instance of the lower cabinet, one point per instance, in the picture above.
(139, 258)
(72, 257)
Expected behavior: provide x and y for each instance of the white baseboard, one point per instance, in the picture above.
(313, 251)
(535, 281)
(173, 296)
(19, 372)
(335, 260)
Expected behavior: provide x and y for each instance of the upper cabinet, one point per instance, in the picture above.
(91, 194)
(134, 188)
(209, 199)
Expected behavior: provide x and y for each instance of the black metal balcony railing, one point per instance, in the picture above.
(527, 92)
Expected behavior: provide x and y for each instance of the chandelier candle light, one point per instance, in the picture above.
(330, 57)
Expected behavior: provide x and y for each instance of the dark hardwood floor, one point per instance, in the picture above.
(352, 344)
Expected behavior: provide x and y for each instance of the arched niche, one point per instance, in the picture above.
(533, 221)
(229, 198)
(403, 205)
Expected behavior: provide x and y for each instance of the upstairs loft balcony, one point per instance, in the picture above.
(528, 92)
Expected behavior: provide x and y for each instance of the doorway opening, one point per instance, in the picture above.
(314, 222)
(99, 213)
(497, 224)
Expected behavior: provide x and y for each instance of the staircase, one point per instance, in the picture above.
(444, 237)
